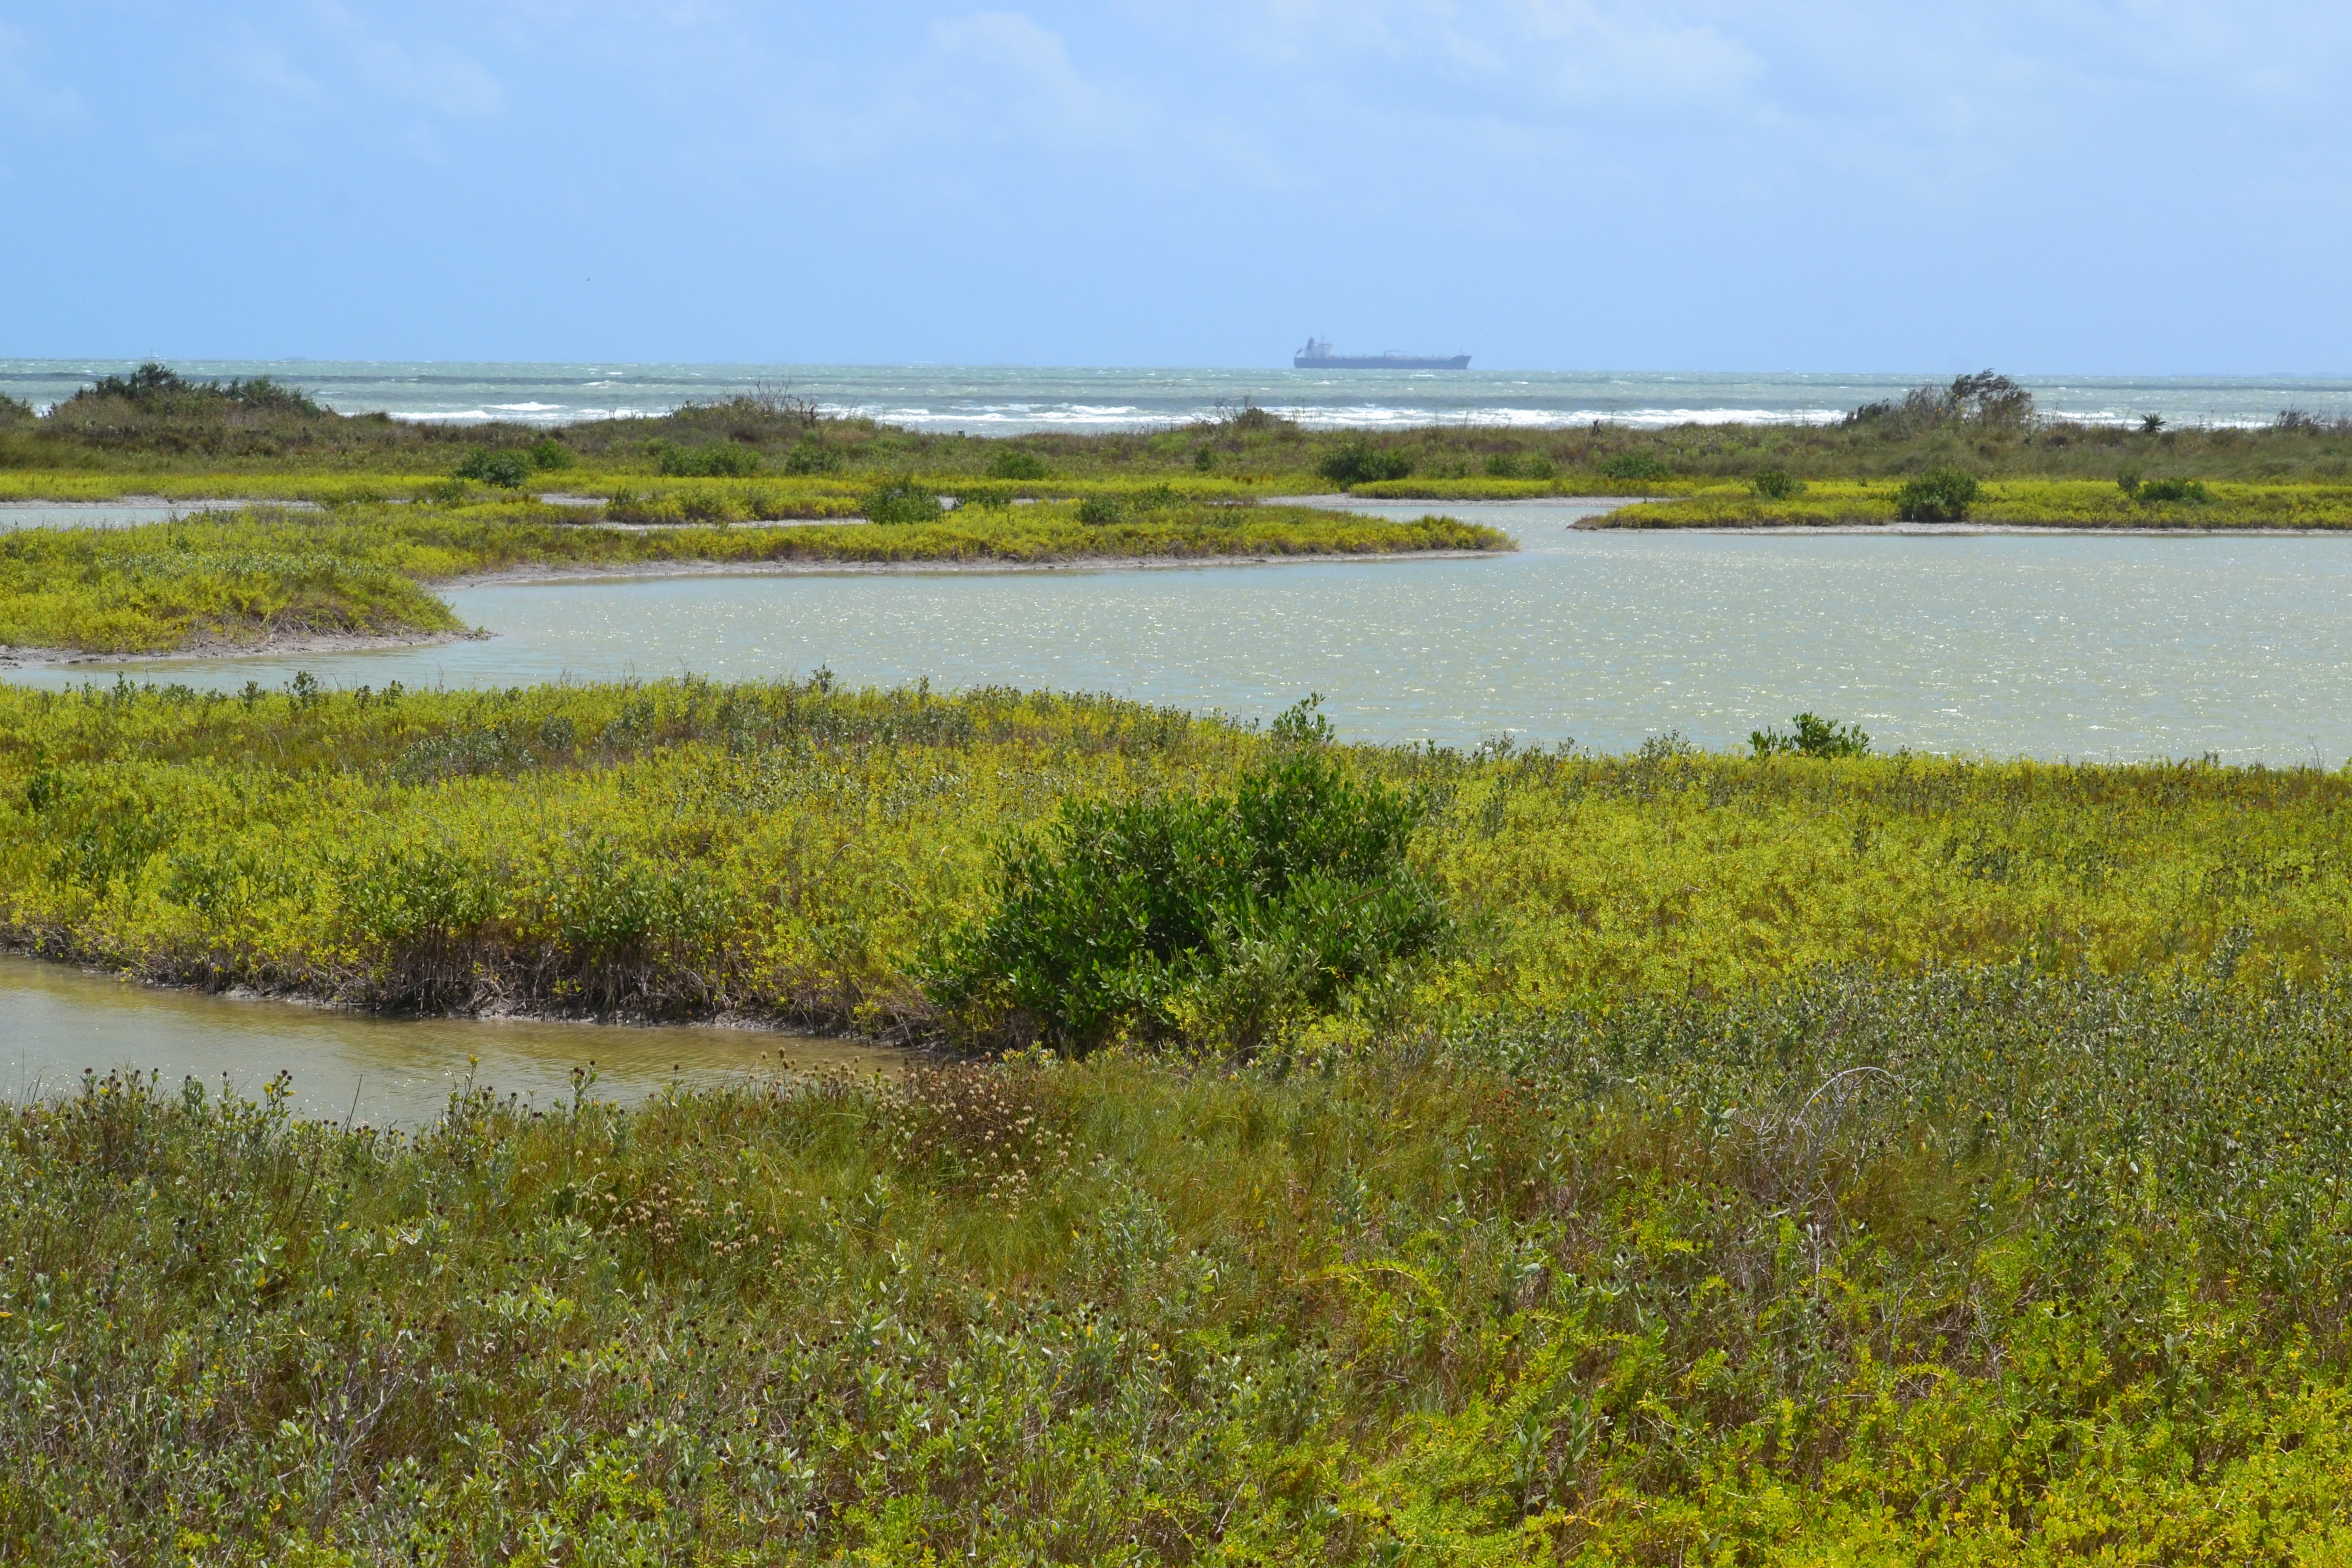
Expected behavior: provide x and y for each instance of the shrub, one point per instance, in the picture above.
(813, 458)
(1221, 917)
(1633, 466)
(1102, 511)
(1777, 484)
(1204, 459)
(1810, 736)
(508, 471)
(718, 461)
(991, 498)
(14, 411)
(1519, 466)
(1355, 461)
(1939, 495)
(901, 502)
(2192, 492)
(1012, 463)
(548, 453)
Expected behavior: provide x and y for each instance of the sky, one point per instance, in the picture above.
(2147, 186)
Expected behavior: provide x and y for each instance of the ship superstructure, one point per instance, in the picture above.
(1317, 355)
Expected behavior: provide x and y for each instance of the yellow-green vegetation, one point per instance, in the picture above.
(789, 851)
(222, 578)
(1802, 1157)
(2049, 503)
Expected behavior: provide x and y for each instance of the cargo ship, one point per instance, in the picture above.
(1317, 355)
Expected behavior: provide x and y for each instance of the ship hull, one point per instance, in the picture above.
(1380, 362)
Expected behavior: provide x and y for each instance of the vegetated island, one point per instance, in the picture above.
(1404, 1154)
(363, 573)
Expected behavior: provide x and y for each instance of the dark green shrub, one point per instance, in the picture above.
(508, 471)
(1777, 484)
(2192, 492)
(722, 461)
(1220, 918)
(813, 458)
(1204, 459)
(1355, 461)
(548, 453)
(2128, 482)
(901, 502)
(1810, 736)
(1939, 495)
(1102, 511)
(1012, 463)
(1633, 466)
(991, 498)
(16, 411)
(1519, 466)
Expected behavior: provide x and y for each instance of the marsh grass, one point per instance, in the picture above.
(2068, 503)
(364, 569)
(790, 852)
(1955, 1268)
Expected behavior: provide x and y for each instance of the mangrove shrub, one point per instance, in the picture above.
(1357, 461)
(1218, 916)
(1810, 735)
(1939, 495)
(507, 470)
(901, 502)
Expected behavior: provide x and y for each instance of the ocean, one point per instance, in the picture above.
(1007, 399)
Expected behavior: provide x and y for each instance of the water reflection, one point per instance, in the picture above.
(63, 1021)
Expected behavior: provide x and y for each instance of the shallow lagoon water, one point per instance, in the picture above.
(2106, 646)
(63, 1021)
(2088, 645)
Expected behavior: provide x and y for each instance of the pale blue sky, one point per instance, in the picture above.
(1817, 185)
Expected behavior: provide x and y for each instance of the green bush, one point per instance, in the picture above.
(1939, 495)
(1777, 484)
(1102, 511)
(901, 502)
(1633, 466)
(1219, 918)
(1355, 461)
(1012, 463)
(990, 498)
(2192, 492)
(548, 453)
(725, 460)
(508, 471)
(813, 458)
(1810, 736)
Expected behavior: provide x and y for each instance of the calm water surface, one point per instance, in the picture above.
(2076, 646)
(62, 1021)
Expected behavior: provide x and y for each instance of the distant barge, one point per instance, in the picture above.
(1317, 355)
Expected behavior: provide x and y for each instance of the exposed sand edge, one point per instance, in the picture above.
(212, 645)
(564, 573)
